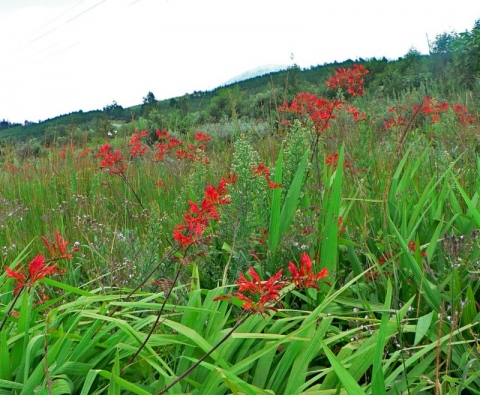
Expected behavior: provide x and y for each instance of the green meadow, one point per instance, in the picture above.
(333, 250)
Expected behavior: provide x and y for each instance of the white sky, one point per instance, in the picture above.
(60, 56)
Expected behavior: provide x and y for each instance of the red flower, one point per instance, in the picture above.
(463, 115)
(261, 169)
(319, 111)
(111, 160)
(199, 136)
(399, 121)
(267, 292)
(351, 79)
(174, 142)
(138, 149)
(231, 178)
(384, 258)
(59, 250)
(262, 307)
(162, 134)
(161, 150)
(214, 196)
(412, 246)
(185, 241)
(256, 286)
(37, 270)
(273, 185)
(198, 218)
(304, 277)
(104, 149)
(356, 114)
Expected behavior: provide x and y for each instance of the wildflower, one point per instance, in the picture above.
(394, 122)
(384, 258)
(59, 250)
(262, 307)
(185, 241)
(319, 110)
(255, 286)
(351, 79)
(84, 153)
(356, 114)
(332, 160)
(199, 136)
(111, 160)
(213, 196)
(104, 149)
(37, 270)
(161, 150)
(412, 246)
(463, 115)
(138, 149)
(261, 169)
(162, 134)
(174, 142)
(303, 277)
(266, 292)
(198, 218)
(231, 178)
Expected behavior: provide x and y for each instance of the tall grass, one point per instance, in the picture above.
(391, 213)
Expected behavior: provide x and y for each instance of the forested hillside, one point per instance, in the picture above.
(450, 70)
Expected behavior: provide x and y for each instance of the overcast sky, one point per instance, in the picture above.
(60, 56)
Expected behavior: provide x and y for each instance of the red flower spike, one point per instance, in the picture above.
(112, 160)
(350, 79)
(37, 270)
(273, 185)
(58, 250)
(412, 246)
(231, 178)
(162, 134)
(174, 142)
(185, 241)
(200, 136)
(104, 149)
(304, 277)
(271, 287)
(19, 277)
(198, 218)
(260, 308)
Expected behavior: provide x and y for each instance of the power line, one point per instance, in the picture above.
(75, 17)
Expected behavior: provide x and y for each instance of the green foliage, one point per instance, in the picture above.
(467, 49)
(393, 216)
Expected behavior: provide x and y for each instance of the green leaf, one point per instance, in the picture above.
(423, 326)
(378, 382)
(123, 383)
(274, 228)
(348, 382)
(329, 243)
(291, 200)
(114, 388)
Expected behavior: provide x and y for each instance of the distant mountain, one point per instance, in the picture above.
(256, 72)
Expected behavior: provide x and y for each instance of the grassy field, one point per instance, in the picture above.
(336, 254)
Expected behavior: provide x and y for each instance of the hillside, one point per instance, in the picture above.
(258, 97)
